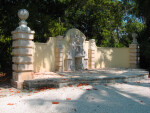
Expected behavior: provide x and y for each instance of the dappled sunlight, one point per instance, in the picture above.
(104, 93)
(131, 97)
(128, 88)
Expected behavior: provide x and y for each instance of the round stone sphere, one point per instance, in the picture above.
(23, 14)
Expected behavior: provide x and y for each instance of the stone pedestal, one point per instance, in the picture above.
(134, 53)
(22, 51)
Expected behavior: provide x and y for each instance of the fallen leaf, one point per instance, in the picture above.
(10, 104)
(85, 84)
(55, 102)
(105, 84)
(11, 91)
(35, 92)
(29, 95)
(68, 98)
(95, 89)
(30, 91)
(17, 91)
(88, 89)
(51, 88)
(79, 85)
(141, 101)
(70, 85)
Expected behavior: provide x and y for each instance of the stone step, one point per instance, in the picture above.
(61, 82)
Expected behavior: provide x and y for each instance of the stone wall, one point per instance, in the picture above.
(47, 55)
(69, 53)
(112, 57)
(44, 56)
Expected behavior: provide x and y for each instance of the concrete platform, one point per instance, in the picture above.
(106, 75)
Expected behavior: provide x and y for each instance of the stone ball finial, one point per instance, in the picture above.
(23, 14)
(134, 35)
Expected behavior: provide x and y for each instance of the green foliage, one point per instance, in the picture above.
(5, 55)
(56, 28)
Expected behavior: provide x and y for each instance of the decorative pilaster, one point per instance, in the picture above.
(22, 51)
(59, 54)
(134, 52)
(92, 54)
(69, 61)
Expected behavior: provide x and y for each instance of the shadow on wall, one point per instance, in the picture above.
(112, 57)
(44, 55)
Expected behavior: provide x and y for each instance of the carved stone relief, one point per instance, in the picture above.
(77, 57)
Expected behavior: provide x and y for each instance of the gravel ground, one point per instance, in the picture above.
(81, 98)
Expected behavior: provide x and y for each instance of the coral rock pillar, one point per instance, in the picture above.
(92, 54)
(134, 52)
(22, 51)
(59, 54)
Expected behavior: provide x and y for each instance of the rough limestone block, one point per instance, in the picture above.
(16, 84)
(133, 54)
(21, 35)
(60, 63)
(133, 65)
(133, 50)
(60, 55)
(21, 76)
(23, 43)
(22, 67)
(22, 59)
(15, 77)
(92, 58)
(92, 63)
(22, 51)
(61, 50)
(60, 59)
(133, 62)
(133, 46)
(133, 58)
(92, 52)
(15, 67)
(25, 67)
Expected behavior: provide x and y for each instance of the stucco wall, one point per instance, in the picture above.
(111, 57)
(44, 56)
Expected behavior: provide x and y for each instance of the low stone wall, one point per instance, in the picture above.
(112, 57)
(44, 56)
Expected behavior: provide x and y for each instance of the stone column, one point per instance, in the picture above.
(134, 52)
(92, 54)
(22, 51)
(59, 50)
(69, 61)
